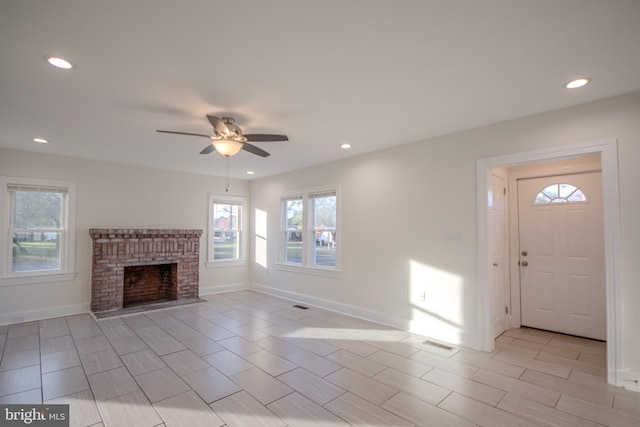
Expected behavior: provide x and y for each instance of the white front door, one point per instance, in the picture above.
(497, 252)
(562, 276)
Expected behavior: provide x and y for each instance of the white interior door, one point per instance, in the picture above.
(498, 253)
(562, 254)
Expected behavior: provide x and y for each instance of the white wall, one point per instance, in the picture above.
(111, 195)
(409, 222)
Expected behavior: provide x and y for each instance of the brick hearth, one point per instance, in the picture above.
(115, 249)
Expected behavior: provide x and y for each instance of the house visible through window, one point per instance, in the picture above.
(226, 225)
(39, 231)
(309, 233)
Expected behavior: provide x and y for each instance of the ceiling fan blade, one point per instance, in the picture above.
(208, 149)
(263, 137)
(218, 125)
(184, 133)
(254, 150)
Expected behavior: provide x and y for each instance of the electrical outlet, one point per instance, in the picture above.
(631, 381)
(631, 385)
(423, 296)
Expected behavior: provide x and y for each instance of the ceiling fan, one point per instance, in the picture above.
(228, 139)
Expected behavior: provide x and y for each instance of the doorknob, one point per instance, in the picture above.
(495, 264)
(524, 253)
(525, 263)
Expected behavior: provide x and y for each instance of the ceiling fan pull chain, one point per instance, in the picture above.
(227, 189)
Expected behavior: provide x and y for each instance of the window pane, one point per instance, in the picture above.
(324, 209)
(293, 248)
(566, 190)
(577, 196)
(551, 191)
(225, 245)
(325, 249)
(226, 217)
(36, 209)
(36, 251)
(294, 214)
(541, 198)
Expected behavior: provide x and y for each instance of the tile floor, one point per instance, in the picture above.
(248, 359)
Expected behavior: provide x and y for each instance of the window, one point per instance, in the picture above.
(559, 193)
(324, 228)
(226, 225)
(39, 233)
(309, 229)
(293, 230)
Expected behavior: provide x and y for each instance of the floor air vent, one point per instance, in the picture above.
(438, 345)
(301, 307)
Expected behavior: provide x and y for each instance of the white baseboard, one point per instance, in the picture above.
(453, 336)
(42, 314)
(210, 290)
(630, 380)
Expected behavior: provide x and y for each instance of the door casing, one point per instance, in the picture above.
(608, 151)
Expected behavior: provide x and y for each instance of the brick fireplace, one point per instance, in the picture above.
(160, 265)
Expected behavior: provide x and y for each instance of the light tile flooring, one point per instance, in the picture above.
(248, 359)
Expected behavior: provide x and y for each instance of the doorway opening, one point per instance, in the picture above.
(609, 162)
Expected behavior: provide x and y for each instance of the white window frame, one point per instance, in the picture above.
(242, 234)
(307, 264)
(66, 272)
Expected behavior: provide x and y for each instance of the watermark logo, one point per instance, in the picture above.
(34, 415)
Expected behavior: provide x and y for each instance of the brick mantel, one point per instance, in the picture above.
(114, 249)
(140, 233)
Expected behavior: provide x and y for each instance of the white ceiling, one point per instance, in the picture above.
(371, 73)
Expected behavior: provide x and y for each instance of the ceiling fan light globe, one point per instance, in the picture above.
(227, 147)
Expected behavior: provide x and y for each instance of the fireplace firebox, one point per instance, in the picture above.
(145, 284)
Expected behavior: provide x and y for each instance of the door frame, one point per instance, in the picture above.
(608, 150)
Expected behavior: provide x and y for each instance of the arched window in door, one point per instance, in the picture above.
(559, 193)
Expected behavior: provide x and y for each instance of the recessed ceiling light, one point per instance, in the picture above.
(250, 172)
(574, 84)
(40, 140)
(345, 146)
(58, 62)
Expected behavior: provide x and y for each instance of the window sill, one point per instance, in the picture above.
(314, 271)
(224, 264)
(33, 278)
